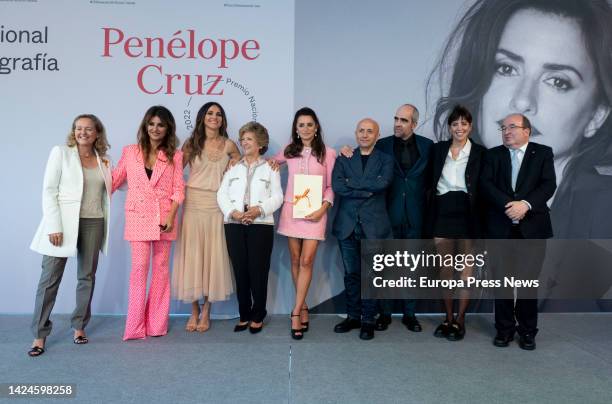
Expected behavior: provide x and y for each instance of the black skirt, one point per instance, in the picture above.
(452, 214)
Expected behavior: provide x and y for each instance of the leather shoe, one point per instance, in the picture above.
(502, 341)
(367, 331)
(527, 342)
(412, 323)
(382, 322)
(347, 325)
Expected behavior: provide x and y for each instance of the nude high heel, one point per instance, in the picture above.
(204, 323)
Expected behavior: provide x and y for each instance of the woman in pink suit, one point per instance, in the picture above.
(154, 172)
(306, 154)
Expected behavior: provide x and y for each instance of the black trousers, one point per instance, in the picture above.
(356, 307)
(250, 248)
(407, 307)
(524, 311)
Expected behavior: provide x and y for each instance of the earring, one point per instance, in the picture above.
(298, 135)
(590, 131)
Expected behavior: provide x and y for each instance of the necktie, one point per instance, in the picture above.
(515, 166)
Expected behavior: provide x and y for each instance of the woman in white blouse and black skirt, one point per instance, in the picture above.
(454, 217)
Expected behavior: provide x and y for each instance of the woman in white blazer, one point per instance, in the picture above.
(248, 196)
(76, 208)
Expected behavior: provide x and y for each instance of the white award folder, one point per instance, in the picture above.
(307, 194)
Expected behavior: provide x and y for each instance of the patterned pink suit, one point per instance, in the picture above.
(147, 205)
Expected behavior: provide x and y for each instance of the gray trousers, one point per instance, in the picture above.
(89, 242)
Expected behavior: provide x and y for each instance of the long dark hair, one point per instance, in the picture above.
(294, 149)
(194, 145)
(169, 143)
(472, 45)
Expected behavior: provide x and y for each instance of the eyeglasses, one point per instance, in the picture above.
(509, 127)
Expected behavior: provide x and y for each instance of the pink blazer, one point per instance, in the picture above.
(308, 164)
(148, 201)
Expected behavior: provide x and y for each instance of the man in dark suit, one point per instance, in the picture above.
(517, 181)
(359, 183)
(405, 196)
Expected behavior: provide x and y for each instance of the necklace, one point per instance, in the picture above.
(85, 153)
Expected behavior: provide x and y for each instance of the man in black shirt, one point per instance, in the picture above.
(405, 196)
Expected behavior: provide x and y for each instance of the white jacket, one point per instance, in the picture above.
(265, 192)
(61, 201)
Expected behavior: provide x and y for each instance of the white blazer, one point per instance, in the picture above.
(266, 191)
(61, 201)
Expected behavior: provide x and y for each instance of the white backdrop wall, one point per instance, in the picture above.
(104, 67)
(346, 59)
(350, 62)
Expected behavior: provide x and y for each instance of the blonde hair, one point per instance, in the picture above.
(101, 144)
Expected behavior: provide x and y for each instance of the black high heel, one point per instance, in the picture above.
(443, 329)
(305, 323)
(297, 334)
(241, 327)
(456, 332)
(255, 330)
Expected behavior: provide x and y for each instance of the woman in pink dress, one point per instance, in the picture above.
(153, 170)
(306, 154)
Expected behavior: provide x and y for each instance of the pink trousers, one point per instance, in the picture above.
(148, 315)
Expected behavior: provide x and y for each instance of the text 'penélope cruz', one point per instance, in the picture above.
(188, 44)
(210, 56)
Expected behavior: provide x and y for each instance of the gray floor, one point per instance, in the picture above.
(572, 363)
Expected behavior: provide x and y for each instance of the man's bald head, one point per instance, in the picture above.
(368, 121)
(366, 134)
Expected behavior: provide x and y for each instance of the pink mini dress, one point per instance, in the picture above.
(305, 164)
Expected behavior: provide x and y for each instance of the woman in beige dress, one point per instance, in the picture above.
(201, 263)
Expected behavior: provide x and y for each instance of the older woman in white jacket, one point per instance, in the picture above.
(249, 194)
(76, 208)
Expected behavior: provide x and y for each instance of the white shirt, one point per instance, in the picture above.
(453, 172)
